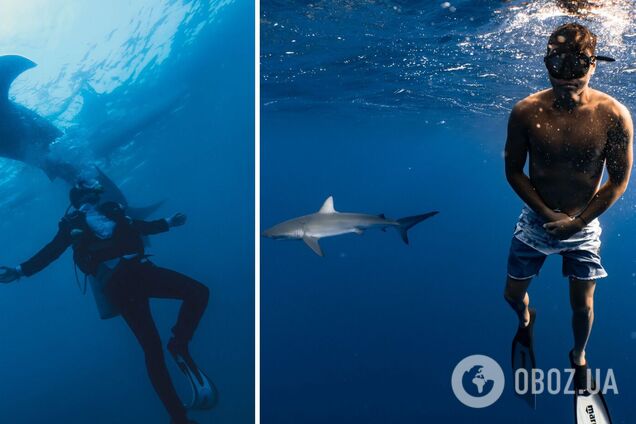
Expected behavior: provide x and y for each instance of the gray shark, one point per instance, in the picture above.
(328, 222)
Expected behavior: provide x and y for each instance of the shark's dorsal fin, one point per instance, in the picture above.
(327, 207)
(10, 67)
(382, 216)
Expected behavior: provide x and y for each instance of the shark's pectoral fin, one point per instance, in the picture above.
(358, 231)
(313, 243)
(111, 190)
(113, 193)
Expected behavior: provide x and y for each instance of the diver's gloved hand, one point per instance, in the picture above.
(8, 274)
(176, 220)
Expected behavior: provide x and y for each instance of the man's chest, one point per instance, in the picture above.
(580, 136)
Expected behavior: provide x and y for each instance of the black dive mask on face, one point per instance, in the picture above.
(568, 65)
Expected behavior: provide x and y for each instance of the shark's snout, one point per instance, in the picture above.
(273, 233)
(286, 230)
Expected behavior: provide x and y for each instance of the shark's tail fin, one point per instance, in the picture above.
(407, 223)
(10, 67)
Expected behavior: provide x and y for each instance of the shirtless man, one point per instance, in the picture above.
(570, 132)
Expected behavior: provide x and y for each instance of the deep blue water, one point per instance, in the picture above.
(400, 108)
(160, 95)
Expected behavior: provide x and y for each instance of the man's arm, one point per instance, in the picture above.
(618, 159)
(48, 253)
(515, 158)
(148, 228)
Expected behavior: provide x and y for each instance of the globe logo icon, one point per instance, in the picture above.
(478, 381)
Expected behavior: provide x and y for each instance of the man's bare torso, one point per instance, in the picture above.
(567, 147)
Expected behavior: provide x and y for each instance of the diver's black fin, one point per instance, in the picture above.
(204, 393)
(523, 358)
(10, 67)
(589, 408)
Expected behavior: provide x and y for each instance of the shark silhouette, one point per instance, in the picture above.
(26, 136)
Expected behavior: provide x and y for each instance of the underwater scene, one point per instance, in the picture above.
(386, 111)
(147, 105)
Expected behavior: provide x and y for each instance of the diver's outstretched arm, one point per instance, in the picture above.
(48, 253)
(148, 228)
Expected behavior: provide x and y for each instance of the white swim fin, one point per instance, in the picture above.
(204, 393)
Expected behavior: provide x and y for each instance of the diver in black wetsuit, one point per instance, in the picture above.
(103, 236)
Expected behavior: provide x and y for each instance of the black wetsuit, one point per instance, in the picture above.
(133, 282)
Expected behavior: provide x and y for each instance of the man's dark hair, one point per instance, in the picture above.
(573, 36)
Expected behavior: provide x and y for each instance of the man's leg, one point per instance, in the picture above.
(516, 294)
(167, 284)
(582, 302)
(139, 318)
(524, 263)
